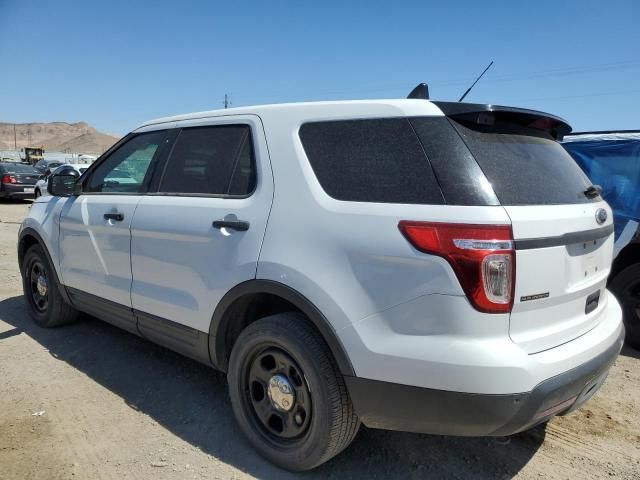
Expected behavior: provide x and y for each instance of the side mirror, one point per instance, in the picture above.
(61, 185)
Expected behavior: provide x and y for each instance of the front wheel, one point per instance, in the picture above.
(626, 287)
(288, 395)
(41, 290)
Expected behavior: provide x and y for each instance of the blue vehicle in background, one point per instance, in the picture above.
(612, 161)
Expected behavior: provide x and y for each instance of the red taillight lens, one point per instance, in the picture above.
(8, 179)
(482, 257)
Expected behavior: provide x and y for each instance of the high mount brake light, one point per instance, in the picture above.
(482, 257)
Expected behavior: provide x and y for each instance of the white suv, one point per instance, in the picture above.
(411, 265)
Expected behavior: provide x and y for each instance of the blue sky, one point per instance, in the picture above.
(117, 63)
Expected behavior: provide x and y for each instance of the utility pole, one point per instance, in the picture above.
(15, 140)
(227, 101)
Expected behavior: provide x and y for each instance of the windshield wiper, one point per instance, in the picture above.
(593, 191)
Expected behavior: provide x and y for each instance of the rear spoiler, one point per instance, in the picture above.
(484, 114)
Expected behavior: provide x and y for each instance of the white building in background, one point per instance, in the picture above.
(81, 159)
(9, 156)
(62, 157)
(74, 158)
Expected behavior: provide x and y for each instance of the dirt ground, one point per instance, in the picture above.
(89, 401)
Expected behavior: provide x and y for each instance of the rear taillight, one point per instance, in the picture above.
(482, 257)
(8, 179)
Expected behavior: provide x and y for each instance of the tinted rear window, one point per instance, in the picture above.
(377, 160)
(17, 168)
(525, 167)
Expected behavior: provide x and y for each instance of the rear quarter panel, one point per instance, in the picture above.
(349, 258)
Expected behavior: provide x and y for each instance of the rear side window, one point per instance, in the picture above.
(525, 167)
(216, 160)
(376, 160)
(17, 168)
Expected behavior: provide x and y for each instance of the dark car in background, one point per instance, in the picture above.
(17, 180)
(47, 164)
(612, 160)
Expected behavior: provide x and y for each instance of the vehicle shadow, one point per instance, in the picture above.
(155, 381)
(628, 351)
(19, 201)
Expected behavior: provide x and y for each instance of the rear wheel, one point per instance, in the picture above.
(36, 194)
(288, 395)
(626, 287)
(41, 291)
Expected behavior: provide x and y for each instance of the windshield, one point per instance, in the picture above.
(525, 166)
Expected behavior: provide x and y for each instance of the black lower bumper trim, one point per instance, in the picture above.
(392, 406)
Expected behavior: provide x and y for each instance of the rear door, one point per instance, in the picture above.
(201, 233)
(563, 236)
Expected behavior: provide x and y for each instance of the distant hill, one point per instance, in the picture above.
(56, 136)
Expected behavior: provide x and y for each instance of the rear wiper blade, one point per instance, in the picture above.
(593, 191)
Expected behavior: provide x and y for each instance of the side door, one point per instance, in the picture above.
(95, 237)
(200, 234)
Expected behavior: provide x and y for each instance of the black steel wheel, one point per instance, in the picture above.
(287, 394)
(278, 395)
(42, 291)
(39, 286)
(626, 287)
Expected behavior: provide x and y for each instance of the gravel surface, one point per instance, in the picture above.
(89, 401)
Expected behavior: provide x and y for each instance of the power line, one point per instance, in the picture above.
(536, 74)
(600, 94)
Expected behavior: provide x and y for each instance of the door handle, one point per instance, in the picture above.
(118, 217)
(239, 225)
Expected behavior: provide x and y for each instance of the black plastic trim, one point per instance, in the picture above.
(238, 225)
(392, 406)
(111, 312)
(562, 387)
(21, 251)
(457, 109)
(175, 336)
(217, 347)
(566, 239)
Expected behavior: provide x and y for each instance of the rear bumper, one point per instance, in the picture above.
(17, 191)
(393, 406)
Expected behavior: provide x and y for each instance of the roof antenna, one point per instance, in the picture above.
(421, 92)
(474, 83)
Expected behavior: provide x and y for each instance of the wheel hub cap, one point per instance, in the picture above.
(281, 393)
(41, 285)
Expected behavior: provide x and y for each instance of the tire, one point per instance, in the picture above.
(321, 421)
(47, 309)
(626, 288)
(36, 193)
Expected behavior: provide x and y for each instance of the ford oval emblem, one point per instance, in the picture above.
(601, 216)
